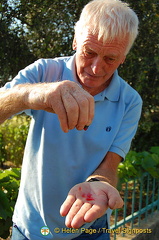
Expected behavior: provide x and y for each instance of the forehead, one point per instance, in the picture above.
(91, 41)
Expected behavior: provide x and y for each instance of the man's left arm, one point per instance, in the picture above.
(88, 201)
(107, 170)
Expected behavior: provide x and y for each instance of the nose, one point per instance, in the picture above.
(97, 65)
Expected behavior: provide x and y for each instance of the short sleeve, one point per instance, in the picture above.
(128, 127)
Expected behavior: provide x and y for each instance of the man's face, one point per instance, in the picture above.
(96, 62)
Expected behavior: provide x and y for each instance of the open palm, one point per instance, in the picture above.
(88, 201)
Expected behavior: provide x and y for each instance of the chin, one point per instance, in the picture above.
(88, 85)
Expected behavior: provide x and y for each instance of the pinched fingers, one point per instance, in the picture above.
(78, 105)
(72, 104)
(72, 111)
(86, 108)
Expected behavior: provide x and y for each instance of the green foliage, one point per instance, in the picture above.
(137, 163)
(14, 50)
(13, 134)
(9, 185)
(141, 71)
(33, 29)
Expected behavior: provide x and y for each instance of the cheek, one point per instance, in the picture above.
(113, 67)
(86, 64)
(81, 64)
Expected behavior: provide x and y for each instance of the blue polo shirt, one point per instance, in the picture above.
(55, 161)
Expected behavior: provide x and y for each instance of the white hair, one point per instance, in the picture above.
(108, 19)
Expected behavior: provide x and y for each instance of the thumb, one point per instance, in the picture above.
(115, 200)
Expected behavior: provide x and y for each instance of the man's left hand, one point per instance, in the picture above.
(88, 201)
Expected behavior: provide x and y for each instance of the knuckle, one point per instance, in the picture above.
(73, 108)
(83, 103)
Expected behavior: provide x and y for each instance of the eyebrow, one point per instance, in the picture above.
(88, 48)
(111, 55)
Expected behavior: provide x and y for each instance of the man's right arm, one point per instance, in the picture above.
(11, 102)
(73, 105)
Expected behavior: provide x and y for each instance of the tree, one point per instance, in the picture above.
(35, 29)
(141, 71)
(14, 51)
(42, 28)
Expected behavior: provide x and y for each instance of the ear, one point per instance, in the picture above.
(74, 44)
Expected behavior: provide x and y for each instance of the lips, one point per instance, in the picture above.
(93, 75)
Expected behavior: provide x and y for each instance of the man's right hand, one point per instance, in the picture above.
(73, 105)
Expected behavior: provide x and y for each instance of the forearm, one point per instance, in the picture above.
(107, 170)
(22, 97)
(11, 102)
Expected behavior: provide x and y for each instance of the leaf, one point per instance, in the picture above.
(14, 172)
(5, 227)
(5, 209)
(155, 158)
(4, 177)
(155, 150)
(151, 165)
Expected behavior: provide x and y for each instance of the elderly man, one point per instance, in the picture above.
(69, 174)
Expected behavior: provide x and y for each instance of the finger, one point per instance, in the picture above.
(83, 113)
(86, 108)
(78, 219)
(114, 198)
(72, 212)
(94, 212)
(115, 202)
(62, 115)
(91, 110)
(71, 108)
(67, 204)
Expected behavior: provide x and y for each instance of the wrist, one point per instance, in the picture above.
(98, 178)
(92, 179)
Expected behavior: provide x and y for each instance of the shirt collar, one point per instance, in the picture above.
(112, 92)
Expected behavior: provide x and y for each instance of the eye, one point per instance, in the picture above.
(89, 53)
(110, 60)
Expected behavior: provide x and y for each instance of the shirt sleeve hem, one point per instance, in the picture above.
(118, 151)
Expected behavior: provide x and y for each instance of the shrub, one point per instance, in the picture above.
(137, 163)
(9, 185)
(13, 134)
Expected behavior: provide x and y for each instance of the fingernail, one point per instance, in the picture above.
(85, 128)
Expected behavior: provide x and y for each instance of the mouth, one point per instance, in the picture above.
(92, 75)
